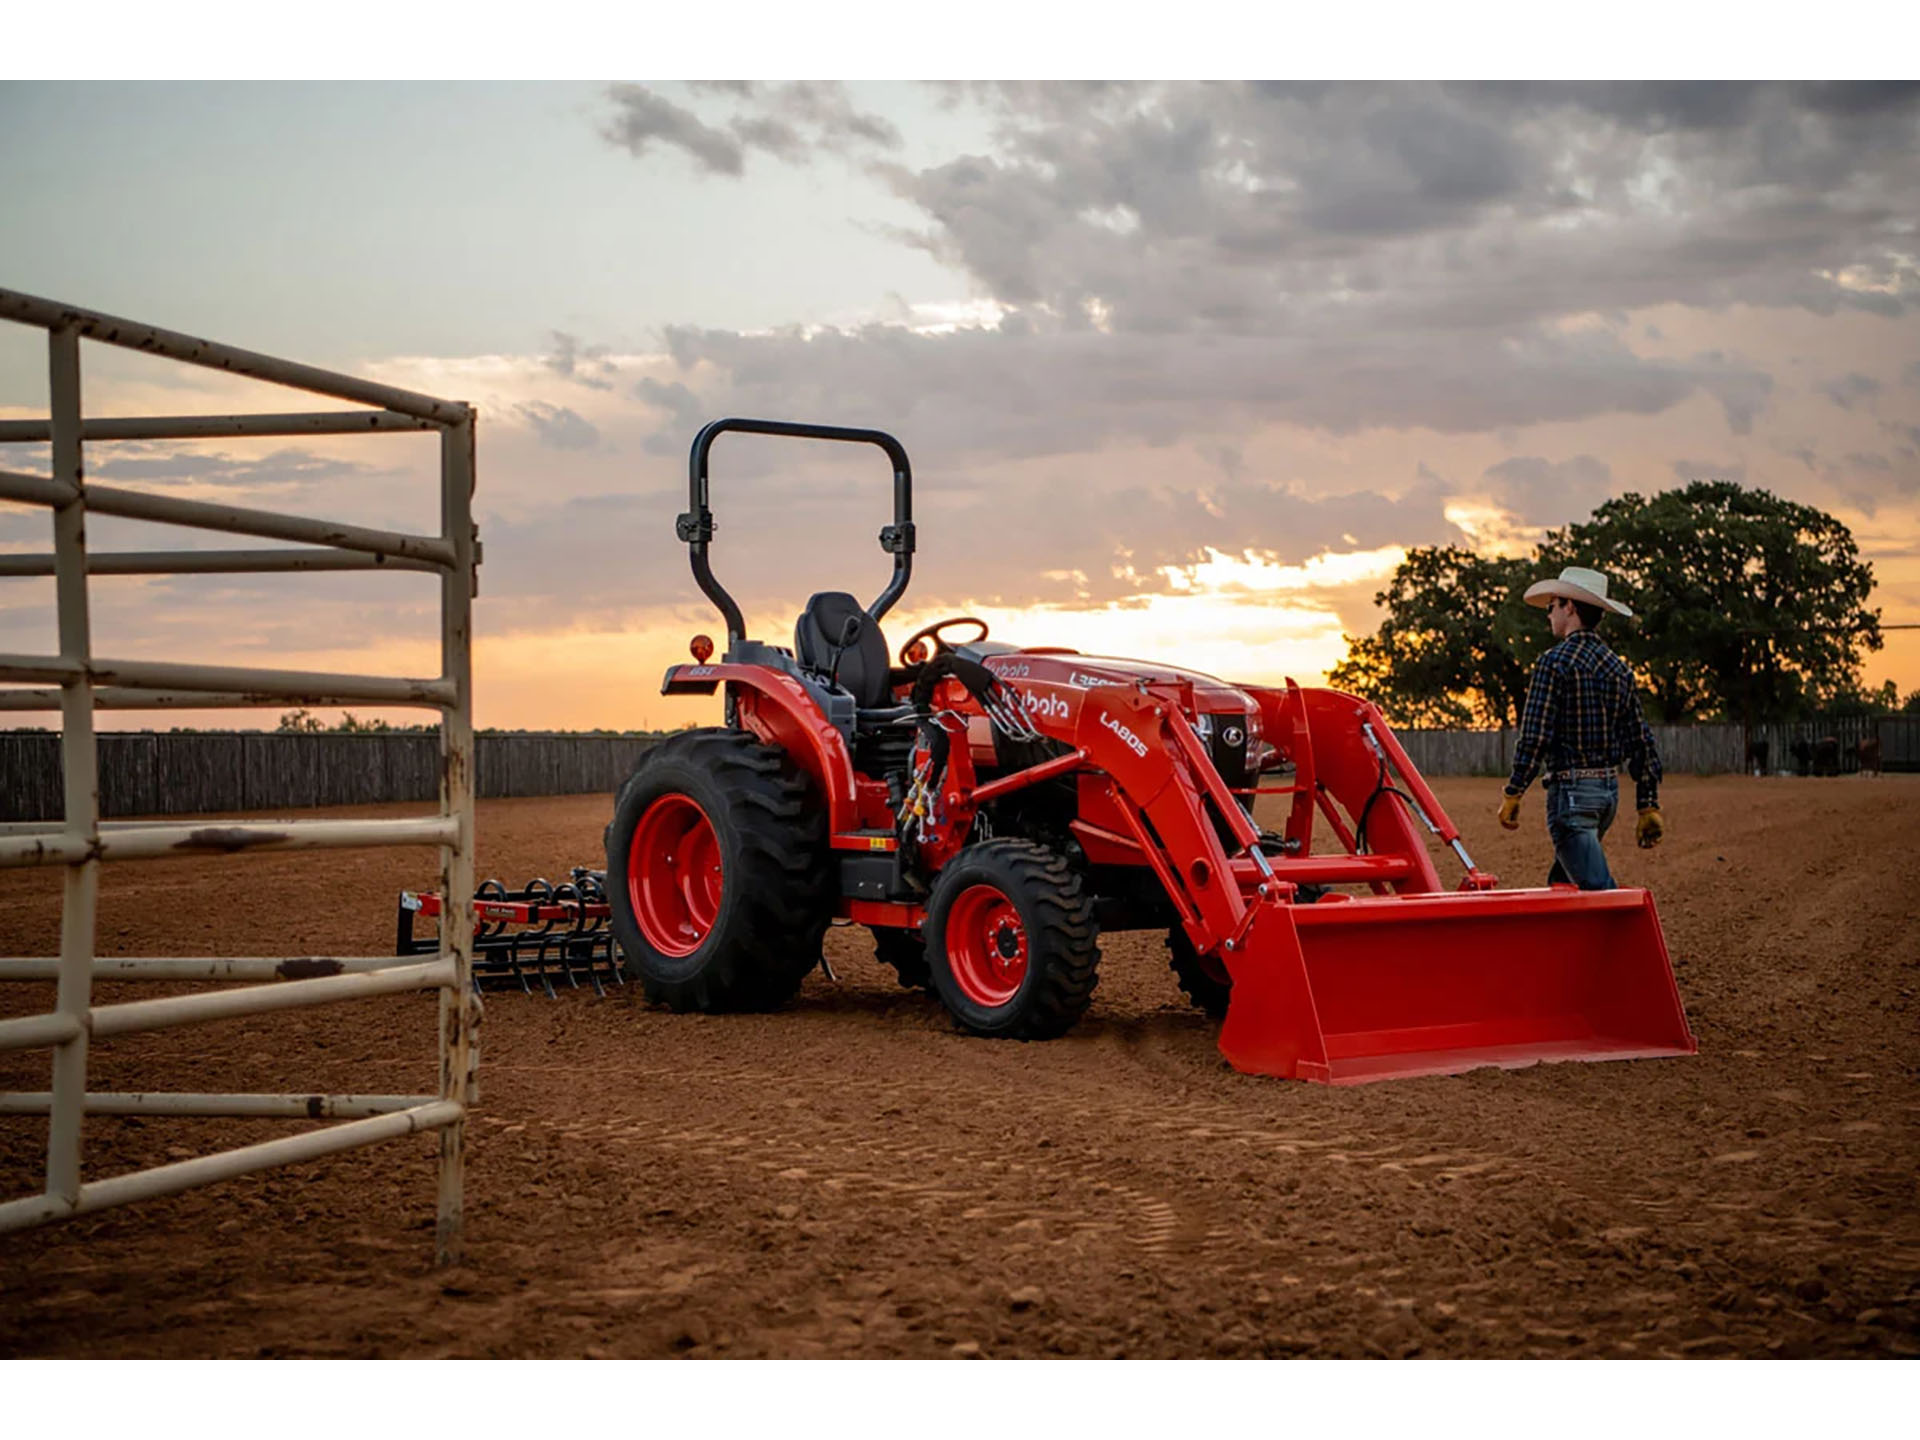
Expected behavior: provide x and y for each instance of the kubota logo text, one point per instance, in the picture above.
(1133, 741)
(1050, 707)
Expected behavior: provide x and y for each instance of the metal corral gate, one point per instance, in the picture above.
(87, 682)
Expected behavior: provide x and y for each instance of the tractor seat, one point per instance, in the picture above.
(862, 668)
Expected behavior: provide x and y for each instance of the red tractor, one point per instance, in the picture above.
(988, 810)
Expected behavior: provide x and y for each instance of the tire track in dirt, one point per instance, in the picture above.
(944, 1170)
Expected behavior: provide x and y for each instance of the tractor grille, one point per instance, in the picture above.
(1226, 739)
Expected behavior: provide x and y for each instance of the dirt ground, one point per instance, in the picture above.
(851, 1177)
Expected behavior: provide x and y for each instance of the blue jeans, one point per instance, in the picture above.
(1579, 813)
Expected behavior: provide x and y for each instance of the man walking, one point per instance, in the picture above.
(1582, 719)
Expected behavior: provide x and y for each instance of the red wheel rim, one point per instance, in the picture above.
(673, 875)
(986, 946)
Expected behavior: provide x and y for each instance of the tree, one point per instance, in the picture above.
(305, 722)
(1858, 702)
(1457, 646)
(1747, 606)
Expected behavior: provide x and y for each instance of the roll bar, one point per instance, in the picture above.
(696, 526)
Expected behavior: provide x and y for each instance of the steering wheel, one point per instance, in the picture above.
(940, 644)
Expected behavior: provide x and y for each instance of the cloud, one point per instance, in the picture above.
(590, 562)
(1539, 491)
(280, 469)
(1851, 389)
(827, 116)
(1182, 261)
(1176, 261)
(791, 122)
(641, 117)
(558, 427)
(1039, 387)
(1870, 480)
(1484, 204)
(586, 365)
(685, 413)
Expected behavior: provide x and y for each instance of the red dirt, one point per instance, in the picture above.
(852, 1177)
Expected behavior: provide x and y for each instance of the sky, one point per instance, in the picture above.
(1184, 367)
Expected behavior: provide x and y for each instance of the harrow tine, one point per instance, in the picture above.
(593, 889)
(513, 965)
(553, 952)
(566, 890)
(581, 946)
(540, 965)
(539, 891)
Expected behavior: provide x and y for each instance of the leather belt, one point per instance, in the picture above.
(1607, 774)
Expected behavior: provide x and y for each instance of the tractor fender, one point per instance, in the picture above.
(777, 709)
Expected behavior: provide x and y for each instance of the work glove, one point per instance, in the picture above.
(1649, 828)
(1509, 812)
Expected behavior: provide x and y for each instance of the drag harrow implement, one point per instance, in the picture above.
(535, 937)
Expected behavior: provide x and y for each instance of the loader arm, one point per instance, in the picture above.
(1164, 787)
(1410, 981)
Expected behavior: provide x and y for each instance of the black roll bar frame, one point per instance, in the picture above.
(696, 526)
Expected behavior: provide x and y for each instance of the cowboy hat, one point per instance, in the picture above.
(1589, 587)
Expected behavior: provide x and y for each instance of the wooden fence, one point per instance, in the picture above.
(182, 774)
(1684, 749)
(142, 774)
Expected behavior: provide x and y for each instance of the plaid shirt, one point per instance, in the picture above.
(1582, 714)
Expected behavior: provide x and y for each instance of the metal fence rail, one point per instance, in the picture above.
(80, 843)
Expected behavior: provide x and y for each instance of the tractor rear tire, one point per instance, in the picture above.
(1012, 945)
(906, 952)
(717, 873)
(1205, 982)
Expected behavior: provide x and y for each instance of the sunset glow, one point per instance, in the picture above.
(1190, 403)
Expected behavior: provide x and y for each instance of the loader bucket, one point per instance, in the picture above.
(1376, 988)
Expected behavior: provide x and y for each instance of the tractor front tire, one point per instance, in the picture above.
(717, 873)
(1204, 979)
(1012, 945)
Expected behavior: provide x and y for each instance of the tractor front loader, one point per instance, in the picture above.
(989, 810)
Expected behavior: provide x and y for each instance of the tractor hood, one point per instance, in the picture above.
(1048, 665)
